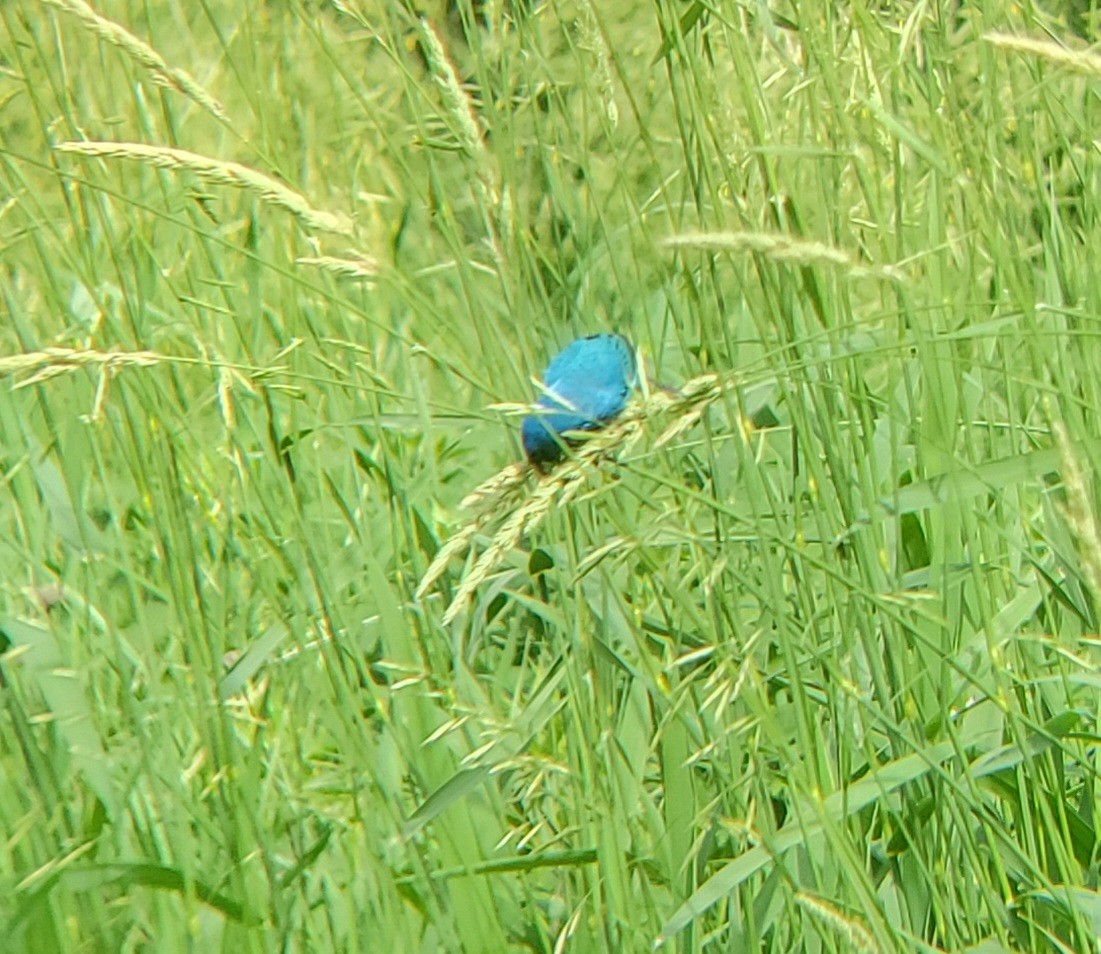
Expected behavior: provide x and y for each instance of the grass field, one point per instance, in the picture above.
(802, 659)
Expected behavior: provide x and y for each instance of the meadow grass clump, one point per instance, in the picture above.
(296, 652)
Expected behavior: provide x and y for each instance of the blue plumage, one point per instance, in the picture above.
(588, 384)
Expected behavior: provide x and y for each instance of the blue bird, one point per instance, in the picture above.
(587, 385)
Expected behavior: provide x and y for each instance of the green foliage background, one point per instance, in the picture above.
(820, 675)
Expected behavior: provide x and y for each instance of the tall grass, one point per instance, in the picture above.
(804, 659)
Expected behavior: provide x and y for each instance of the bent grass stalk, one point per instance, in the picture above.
(781, 248)
(160, 71)
(1080, 61)
(363, 266)
(50, 362)
(217, 171)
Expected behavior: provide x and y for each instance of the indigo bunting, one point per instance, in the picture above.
(587, 385)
